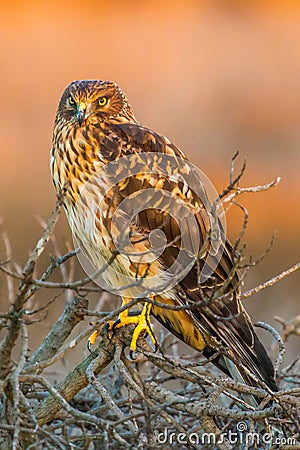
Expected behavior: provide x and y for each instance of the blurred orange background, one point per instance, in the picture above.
(213, 76)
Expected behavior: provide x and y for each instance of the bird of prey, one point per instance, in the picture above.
(95, 128)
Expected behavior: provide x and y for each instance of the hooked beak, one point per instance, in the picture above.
(81, 110)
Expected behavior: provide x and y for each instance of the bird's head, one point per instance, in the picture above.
(88, 101)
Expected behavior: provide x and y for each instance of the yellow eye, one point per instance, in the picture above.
(102, 101)
(71, 101)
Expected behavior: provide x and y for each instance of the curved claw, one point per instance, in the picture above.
(132, 352)
(107, 328)
(114, 325)
(131, 355)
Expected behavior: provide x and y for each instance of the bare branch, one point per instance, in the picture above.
(270, 282)
(63, 327)
(279, 340)
(129, 403)
(75, 381)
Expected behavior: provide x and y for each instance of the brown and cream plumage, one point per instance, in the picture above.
(95, 126)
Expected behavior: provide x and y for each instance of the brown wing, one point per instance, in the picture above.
(221, 320)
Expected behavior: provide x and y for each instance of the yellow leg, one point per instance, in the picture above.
(142, 322)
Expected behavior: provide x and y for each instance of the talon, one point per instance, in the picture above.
(142, 322)
(115, 325)
(108, 327)
(91, 340)
(131, 355)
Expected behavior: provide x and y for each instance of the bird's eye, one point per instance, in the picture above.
(71, 101)
(102, 101)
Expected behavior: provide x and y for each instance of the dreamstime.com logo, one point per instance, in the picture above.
(242, 436)
(176, 195)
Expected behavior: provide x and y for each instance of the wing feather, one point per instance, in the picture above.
(222, 322)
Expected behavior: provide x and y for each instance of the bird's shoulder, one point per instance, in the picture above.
(128, 138)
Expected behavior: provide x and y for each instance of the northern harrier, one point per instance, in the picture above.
(95, 128)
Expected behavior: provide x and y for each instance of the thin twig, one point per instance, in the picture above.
(270, 282)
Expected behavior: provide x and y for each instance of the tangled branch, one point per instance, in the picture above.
(110, 401)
